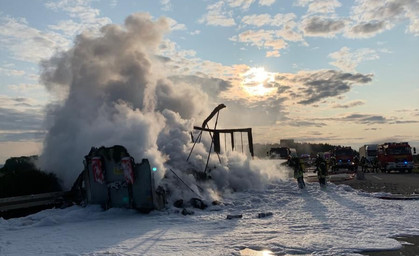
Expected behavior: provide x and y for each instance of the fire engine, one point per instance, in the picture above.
(395, 156)
(343, 157)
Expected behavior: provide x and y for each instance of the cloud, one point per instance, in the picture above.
(210, 85)
(257, 20)
(26, 43)
(242, 113)
(11, 119)
(21, 118)
(373, 17)
(174, 25)
(217, 16)
(256, 38)
(319, 6)
(349, 104)
(348, 61)
(405, 122)
(287, 26)
(308, 87)
(82, 17)
(321, 26)
(244, 4)
(19, 136)
(29, 44)
(369, 119)
(367, 29)
(272, 54)
(363, 118)
(25, 88)
(265, 19)
(304, 123)
(275, 44)
(263, 39)
(20, 104)
(11, 72)
(166, 5)
(266, 2)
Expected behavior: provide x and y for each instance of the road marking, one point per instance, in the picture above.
(378, 178)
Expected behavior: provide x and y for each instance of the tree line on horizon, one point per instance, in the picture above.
(19, 176)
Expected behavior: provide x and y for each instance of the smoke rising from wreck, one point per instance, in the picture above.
(110, 90)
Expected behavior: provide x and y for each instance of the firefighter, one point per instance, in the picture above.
(356, 163)
(298, 168)
(333, 163)
(363, 163)
(375, 165)
(321, 169)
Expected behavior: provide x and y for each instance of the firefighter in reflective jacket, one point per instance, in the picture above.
(321, 169)
(298, 168)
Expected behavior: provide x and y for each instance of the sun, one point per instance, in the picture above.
(255, 80)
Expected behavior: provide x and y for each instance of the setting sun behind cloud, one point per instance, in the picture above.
(255, 82)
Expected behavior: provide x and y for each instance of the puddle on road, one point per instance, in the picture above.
(250, 252)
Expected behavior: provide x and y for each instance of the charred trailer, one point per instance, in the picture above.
(111, 178)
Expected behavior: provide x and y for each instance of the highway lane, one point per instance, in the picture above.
(395, 183)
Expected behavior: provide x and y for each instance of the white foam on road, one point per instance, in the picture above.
(333, 221)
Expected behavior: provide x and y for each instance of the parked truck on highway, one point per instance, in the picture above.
(281, 153)
(343, 158)
(395, 156)
(370, 153)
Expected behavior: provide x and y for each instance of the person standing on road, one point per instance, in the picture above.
(321, 169)
(298, 168)
(375, 165)
(356, 163)
(363, 163)
(333, 163)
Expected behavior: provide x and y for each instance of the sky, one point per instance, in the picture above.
(329, 71)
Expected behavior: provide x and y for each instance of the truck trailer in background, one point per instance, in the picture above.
(281, 153)
(395, 156)
(370, 152)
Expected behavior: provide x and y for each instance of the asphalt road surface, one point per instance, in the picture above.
(395, 183)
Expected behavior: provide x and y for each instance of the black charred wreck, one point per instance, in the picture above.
(111, 178)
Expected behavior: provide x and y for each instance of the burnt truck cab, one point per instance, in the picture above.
(395, 156)
(111, 178)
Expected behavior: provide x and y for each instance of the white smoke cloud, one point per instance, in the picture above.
(109, 98)
(112, 91)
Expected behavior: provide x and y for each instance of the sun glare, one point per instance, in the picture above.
(255, 81)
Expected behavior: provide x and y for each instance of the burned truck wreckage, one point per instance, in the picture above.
(111, 178)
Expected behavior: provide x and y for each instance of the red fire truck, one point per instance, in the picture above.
(395, 156)
(342, 157)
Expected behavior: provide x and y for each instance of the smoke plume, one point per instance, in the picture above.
(110, 90)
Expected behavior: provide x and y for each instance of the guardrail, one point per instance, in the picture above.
(27, 201)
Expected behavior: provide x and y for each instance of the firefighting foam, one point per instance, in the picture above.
(107, 92)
